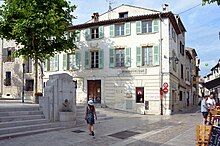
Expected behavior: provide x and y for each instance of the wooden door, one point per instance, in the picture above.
(94, 90)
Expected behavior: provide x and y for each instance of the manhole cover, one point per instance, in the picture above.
(124, 134)
(78, 131)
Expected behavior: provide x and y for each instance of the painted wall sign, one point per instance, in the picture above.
(135, 71)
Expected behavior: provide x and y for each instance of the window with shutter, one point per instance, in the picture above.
(156, 55)
(64, 61)
(101, 32)
(128, 57)
(56, 63)
(77, 39)
(146, 26)
(112, 30)
(87, 59)
(46, 65)
(111, 58)
(128, 28)
(94, 33)
(156, 25)
(87, 34)
(94, 59)
(119, 30)
(77, 60)
(101, 58)
(138, 56)
(119, 57)
(28, 66)
(52, 64)
(147, 58)
(138, 27)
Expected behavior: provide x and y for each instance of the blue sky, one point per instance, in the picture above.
(201, 22)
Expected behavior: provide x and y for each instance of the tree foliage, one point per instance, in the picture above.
(31, 23)
(210, 1)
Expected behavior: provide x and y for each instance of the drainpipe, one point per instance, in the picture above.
(161, 71)
(1, 54)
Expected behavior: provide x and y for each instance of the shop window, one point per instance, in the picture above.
(139, 94)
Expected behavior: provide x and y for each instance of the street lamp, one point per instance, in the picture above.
(23, 65)
(175, 59)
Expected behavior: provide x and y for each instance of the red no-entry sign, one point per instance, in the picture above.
(165, 90)
(165, 84)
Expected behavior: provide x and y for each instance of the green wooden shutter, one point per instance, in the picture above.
(45, 65)
(87, 59)
(56, 62)
(128, 57)
(156, 25)
(128, 28)
(77, 60)
(138, 27)
(101, 32)
(101, 58)
(5, 55)
(87, 34)
(138, 56)
(111, 58)
(64, 61)
(12, 51)
(112, 30)
(51, 63)
(156, 55)
(77, 36)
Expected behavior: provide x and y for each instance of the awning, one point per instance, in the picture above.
(212, 84)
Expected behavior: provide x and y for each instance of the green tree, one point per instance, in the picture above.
(32, 24)
(210, 1)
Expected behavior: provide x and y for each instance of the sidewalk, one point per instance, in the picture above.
(147, 130)
(125, 129)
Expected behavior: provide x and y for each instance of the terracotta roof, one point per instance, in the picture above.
(169, 15)
(128, 6)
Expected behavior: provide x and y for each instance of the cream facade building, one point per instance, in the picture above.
(125, 56)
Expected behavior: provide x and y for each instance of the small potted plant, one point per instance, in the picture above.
(37, 95)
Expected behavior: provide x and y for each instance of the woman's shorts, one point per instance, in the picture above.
(205, 114)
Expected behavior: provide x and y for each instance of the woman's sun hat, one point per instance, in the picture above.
(90, 102)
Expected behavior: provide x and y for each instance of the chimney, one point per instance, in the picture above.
(165, 7)
(95, 17)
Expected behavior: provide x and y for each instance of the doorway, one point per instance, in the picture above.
(94, 90)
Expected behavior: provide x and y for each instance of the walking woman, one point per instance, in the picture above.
(90, 115)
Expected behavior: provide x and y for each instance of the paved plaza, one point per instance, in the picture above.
(124, 129)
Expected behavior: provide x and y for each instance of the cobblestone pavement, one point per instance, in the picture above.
(144, 130)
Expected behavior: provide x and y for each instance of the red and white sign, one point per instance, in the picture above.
(165, 90)
(165, 84)
(139, 92)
